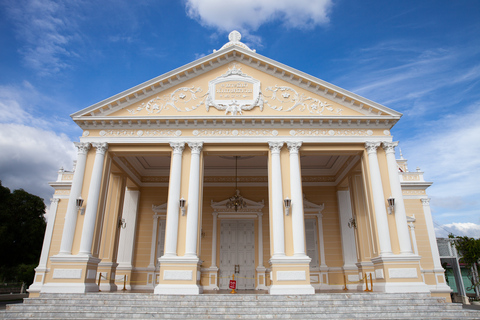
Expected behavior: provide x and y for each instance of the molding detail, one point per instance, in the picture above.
(140, 133)
(100, 146)
(235, 132)
(182, 95)
(290, 99)
(67, 273)
(372, 146)
(402, 273)
(389, 147)
(291, 275)
(82, 147)
(340, 132)
(177, 275)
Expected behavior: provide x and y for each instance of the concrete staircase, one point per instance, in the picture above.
(226, 306)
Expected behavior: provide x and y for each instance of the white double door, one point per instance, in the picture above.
(237, 253)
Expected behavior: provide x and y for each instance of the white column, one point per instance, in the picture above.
(298, 221)
(193, 200)
(414, 237)
(214, 240)
(348, 234)
(260, 240)
(47, 240)
(75, 192)
(400, 214)
(127, 236)
(323, 264)
(431, 234)
(154, 242)
(173, 205)
(278, 223)
(92, 201)
(379, 202)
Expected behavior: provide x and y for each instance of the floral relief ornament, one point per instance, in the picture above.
(289, 99)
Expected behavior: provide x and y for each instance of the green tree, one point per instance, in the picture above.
(22, 227)
(469, 250)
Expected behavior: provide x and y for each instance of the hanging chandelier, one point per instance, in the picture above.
(236, 201)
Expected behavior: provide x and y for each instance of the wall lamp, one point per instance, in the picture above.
(288, 203)
(391, 205)
(79, 205)
(122, 224)
(182, 205)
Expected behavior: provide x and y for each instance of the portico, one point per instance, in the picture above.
(150, 199)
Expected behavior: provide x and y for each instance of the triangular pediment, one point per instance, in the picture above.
(251, 206)
(234, 82)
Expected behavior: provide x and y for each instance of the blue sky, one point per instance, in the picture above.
(421, 58)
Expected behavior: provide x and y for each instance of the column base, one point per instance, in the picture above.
(69, 288)
(401, 287)
(261, 279)
(179, 275)
(290, 275)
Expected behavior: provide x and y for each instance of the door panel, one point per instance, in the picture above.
(237, 248)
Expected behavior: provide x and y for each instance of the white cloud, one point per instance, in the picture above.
(249, 15)
(31, 151)
(47, 28)
(458, 229)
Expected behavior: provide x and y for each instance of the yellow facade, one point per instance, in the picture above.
(235, 120)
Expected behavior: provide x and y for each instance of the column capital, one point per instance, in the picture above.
(389, 147)
(177, 147)
(215, 214)
(425, 201)
(259, 214)
(196, 146)
(54, 200)
(82, 147)
(100, 146)
(275, 146)
(372, 146)
(411, 225)
(294, 146)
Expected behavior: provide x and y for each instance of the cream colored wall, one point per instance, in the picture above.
(415, 207)
(201, 81)
(148, 196)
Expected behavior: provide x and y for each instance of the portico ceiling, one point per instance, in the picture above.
(148, 170)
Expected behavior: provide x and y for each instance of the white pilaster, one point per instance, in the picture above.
(431, 234)
(151, 265)
(277, 215)
(173, 205)
(47, 240)
(323, 264)
(400, 214)
(193, 200)
(127, 235)
(379, 202)
(348, 234)
(414, 237)
(298, 221)
(75, 192)
(260, 285)
(92, 201)
(214, 240)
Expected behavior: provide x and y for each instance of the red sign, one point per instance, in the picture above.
(233, 284)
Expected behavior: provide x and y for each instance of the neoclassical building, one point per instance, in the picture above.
(236, 164)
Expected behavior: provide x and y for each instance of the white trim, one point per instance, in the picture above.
(177, 289)
(53, 287)
(401, 287)
(291, 289)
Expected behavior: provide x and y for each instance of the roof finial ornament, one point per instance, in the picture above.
(401, 154)
(234, 36)
(234, 40)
